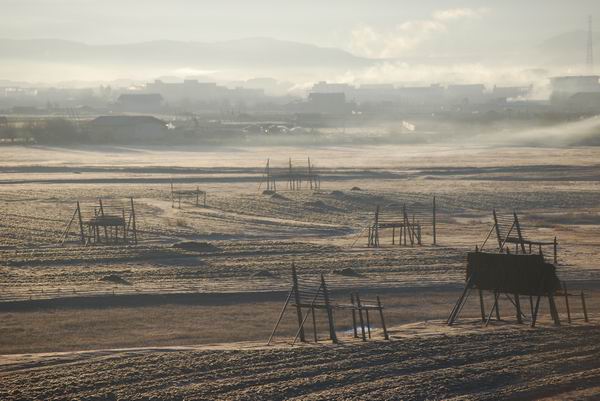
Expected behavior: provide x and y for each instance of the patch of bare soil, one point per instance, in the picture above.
(427, 361)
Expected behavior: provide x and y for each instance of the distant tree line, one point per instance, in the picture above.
(52, 131)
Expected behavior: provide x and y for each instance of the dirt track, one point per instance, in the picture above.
(465, 363)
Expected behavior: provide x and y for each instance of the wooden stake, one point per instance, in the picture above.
(287, 301)
(518, 306)
(353, 316)
(585, 314)
(80, 224)
(481, 305)
(332, 334)
(360, 316)
(297, 301)
(567, 302)
(434, 227)
(134, 226)
(385, 333)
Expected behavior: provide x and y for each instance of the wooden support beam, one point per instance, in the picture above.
(134, 225)
(80, 223)
(567, 302)
(518, 307)
(353, 316)
(297, 301)
(380, 308)
(553, 309)
(312, 310)
(481, 305)
(585, 314)
(494, 306)
(287, 301)
(360, 317)
(535, 311)
(497, 305)
(434, 223)
(332, 334)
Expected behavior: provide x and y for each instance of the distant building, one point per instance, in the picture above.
(510, 92)
(127, 129)
(205, 92)
(140, 102)
(565, 90)
(473, 93)
(575, 84)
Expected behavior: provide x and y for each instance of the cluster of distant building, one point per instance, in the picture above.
(572, 93)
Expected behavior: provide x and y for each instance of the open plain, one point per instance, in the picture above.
(219, 274)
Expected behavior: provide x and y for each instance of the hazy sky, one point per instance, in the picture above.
(357, 25)
(488, 41)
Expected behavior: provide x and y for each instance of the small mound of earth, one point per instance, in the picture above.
(262, 273)
(115, 279)
(337, 193)
(355, 189)
(196, 246)
(278, 196)
(347, 271)
(268, 192)
(318, 204)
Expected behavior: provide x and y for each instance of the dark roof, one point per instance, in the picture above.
(127, 120)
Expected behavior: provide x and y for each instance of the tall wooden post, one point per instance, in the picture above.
(567, 303)
(385, 333)
(134, 226)
(360, 317)
(297, 301)
(481, 306)
(172, 198)
(497, 305)
(497, 227)
(553, 310)
(80, 224)
(585, 314)
(434, 222)
(353, 316)
(332, 334)
(519, 233)
(518, 306)
(375, 234)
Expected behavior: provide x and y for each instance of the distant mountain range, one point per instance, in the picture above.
(245, 58)
(568, 48)
(252, 53)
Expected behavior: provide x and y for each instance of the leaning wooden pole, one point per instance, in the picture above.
(434, 222)
(134, 226)
(380, 307)
(297, 302)
(80, 224)
(287, 301)
(332, 334)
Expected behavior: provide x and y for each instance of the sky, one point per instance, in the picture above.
(345, 24)
(382, 29)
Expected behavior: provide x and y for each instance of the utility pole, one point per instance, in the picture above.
(589, 60)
